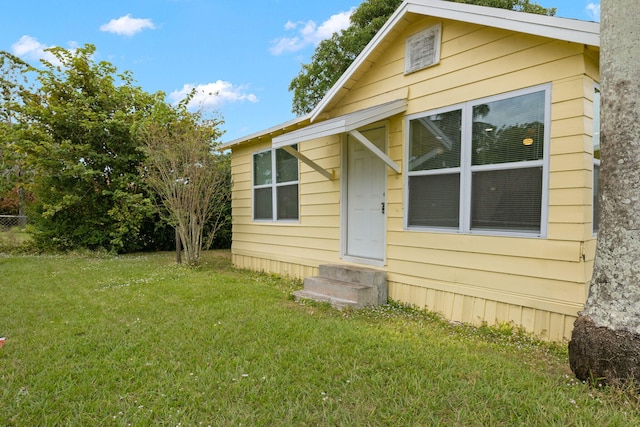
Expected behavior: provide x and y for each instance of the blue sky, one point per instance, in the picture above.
(246, 51)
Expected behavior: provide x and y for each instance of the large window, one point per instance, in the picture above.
(480, 166)
(275, 186)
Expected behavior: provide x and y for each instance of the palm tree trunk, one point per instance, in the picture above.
(605, 343)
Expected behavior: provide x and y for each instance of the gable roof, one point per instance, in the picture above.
(570, 30)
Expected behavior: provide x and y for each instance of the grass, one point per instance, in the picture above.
(135, 340)
(13, 238)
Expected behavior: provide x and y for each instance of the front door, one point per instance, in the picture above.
(366, 184)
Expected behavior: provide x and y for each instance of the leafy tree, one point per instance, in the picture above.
(192, 181)
(518, 5)
(77, 129)
(15, 173)
(605, 342)
(220, 222)
(333, 56)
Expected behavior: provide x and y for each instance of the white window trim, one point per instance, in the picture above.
(447, 171)
(466, 169)
(274, 194)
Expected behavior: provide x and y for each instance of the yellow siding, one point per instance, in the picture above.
(537, 283)
(313, 239)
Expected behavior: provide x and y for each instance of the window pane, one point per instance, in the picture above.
(434, 200)
(596, 197)
(435, 141)
(507, 199)
(262, 168)
(286, 166)
(509, 130)
(262, 203)
(287, 196)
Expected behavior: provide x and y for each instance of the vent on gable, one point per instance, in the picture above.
(422, 49)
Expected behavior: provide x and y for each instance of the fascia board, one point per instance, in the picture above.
(374, 114)
(360, 59)
(318, 130)
(267, 132)
(572, 30)
(342, 124)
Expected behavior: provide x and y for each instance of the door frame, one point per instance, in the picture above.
(344, 199)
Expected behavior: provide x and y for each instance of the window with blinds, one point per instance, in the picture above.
(480, 166)
(434, 169)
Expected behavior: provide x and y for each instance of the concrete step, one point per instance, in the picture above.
(361, 294)
(346, 286)
(335, 302)
(354, 274)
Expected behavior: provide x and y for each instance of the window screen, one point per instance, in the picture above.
(480, 166)
(275, 200)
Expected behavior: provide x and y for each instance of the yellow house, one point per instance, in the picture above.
(456, 155)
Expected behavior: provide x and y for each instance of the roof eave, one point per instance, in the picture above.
(270, 132)
(571, 30)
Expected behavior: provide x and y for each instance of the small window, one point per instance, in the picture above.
(480, 166)
(422, 50)
(275, 195)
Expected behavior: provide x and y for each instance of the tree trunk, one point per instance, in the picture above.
(605, 343)
(178, 247)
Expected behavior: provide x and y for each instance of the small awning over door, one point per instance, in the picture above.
(348, 123)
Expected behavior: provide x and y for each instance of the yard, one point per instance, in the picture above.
(12, 237)
(136, 340)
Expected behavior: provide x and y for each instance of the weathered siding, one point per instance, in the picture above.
(537, 283)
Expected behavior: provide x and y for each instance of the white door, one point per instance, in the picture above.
(366, 183)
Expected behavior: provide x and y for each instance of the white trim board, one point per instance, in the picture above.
(342, 124)
(571, 30)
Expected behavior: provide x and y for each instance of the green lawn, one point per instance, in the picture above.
(12, 237)
(135, 340)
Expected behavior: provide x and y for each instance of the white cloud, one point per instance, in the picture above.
(212, 95)
(593, 10)
(309, 33)
(30, 48)
(332, 25)
(290, 25)
(127, 26)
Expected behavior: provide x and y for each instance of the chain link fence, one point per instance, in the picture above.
(8, 222)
